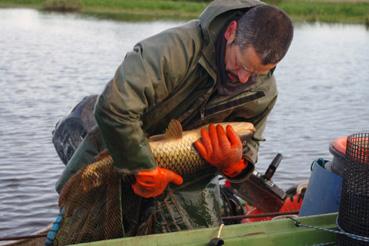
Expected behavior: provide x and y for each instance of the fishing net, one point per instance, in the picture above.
(92, 205)
(353, 212)
(99, 204)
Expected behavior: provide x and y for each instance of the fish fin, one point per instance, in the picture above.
(102, 155)
(156, 138)
(174, 129)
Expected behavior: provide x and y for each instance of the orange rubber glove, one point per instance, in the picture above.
(152, 183)
(222, 150)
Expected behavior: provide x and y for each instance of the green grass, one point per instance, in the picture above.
(146, 4)
(327, 11)
(143, 9)
(21, 3)
(344, 11)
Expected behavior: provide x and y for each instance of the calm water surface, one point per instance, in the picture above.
(48, 62)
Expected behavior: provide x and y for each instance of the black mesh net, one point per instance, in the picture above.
(92, 205)
(354, 212)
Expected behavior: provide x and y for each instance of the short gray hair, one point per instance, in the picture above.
(268, 29)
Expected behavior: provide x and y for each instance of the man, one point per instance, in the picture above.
(215, 69)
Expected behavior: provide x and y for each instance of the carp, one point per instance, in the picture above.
(173, 150)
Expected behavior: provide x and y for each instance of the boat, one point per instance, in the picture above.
(258, 226)
(270, 219)
(266, 233)
(282, 231)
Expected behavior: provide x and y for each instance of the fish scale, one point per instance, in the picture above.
(176, 153)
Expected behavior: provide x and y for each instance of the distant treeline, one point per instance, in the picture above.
(344, 11)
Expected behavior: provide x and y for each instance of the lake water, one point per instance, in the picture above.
(48, 62)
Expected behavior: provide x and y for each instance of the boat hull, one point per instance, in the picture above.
(268, 233)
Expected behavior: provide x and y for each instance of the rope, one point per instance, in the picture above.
(220, 230)
(340, 231)
(259, 215)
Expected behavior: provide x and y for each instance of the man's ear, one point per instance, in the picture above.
(230, 33)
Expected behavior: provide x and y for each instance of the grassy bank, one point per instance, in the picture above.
(327, 11)
(144, 9)
(344, 11)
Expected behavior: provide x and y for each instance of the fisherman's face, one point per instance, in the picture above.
(242, 64)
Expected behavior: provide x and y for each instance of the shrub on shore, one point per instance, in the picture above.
(63, 5)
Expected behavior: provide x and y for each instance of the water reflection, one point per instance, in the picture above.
(48, 62)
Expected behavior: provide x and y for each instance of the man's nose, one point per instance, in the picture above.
(243, 76)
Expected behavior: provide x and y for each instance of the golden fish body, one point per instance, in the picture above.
(177, 152)
(173, 150)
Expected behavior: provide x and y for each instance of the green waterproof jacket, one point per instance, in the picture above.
(172, 75)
